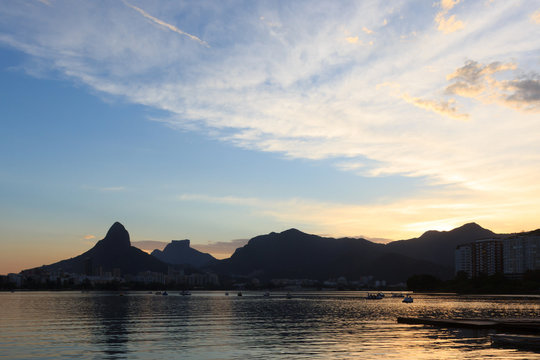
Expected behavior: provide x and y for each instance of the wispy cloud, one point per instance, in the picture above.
(89, 237)
(367, 31)
(228, 200)
(268, 88)
(535, 17)
(104, 188)
(149, 245)
(448, 24)
(442, 212)
(221, 249)
(113, 189)
(478, 81)
(446, 108)
(165, 24)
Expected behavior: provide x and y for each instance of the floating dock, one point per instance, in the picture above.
(510, 325)
(526, 342)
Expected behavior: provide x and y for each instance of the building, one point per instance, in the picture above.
(521, 253)
(463, 259)
(482, 257)
(487, 257)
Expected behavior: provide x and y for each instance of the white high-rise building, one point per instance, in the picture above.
(521, 253)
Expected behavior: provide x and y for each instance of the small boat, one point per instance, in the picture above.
(289, 296)
(374, 296)
(157, 293)
(227, 294)
(164, 293)
(266, 294)
(397, 295)
(407, 299)
(239, 293)
(185, 293)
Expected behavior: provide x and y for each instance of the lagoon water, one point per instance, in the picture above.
(210, 325)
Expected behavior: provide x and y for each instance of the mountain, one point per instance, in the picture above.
(179, 252)
(438, 246)
(114, 251)
(294, 254)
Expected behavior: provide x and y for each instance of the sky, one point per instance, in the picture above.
(217, 121)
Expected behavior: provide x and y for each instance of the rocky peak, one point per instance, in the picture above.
(117, 236)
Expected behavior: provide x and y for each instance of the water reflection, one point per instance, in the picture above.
(214, 326)
(113, 313)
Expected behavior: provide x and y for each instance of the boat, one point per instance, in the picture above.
(371, 296)
(266, 294)
(289, 296)
(407, 299)
(157, 293)
(185, 293)
(397, 295)
(227, 294)
(239, 293)
(164, 293)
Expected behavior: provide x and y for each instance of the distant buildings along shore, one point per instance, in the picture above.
(512, 256)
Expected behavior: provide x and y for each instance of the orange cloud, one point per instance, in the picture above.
(536, 17)
(475, 80)
(89, 237)
(448, 24)
(446, 108)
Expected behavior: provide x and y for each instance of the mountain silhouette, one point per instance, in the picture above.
(296, 255)
(114, 251)
(438, 246)
(179, 252)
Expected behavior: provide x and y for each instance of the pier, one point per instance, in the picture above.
(507, 325)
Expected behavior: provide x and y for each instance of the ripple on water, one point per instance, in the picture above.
(207, 325)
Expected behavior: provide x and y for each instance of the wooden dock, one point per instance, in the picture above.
(526, 342)
(508, 325)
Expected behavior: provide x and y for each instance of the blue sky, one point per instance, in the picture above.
(217, 121)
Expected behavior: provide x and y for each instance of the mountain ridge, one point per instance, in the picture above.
(114, 251)
(179, 252)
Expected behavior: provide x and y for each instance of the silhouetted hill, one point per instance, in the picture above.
(294, 254)
(179, 252)
(114, 251)
(438, 246)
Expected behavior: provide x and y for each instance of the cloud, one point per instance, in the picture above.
(228, 200)
(89, 237)
(112, 189)
(441, 211)
(366, 30)
(105, 189)
(448, 24)
(221, 249)
(478, 81)
(445, 108)
(270, 89)
(536, 17)
(149, 245)
(165, 25)
(352, 39)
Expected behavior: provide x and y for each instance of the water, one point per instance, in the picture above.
(210, 325)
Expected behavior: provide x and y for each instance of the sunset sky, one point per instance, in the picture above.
(222, 120)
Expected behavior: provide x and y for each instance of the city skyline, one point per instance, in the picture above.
(218, 121)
